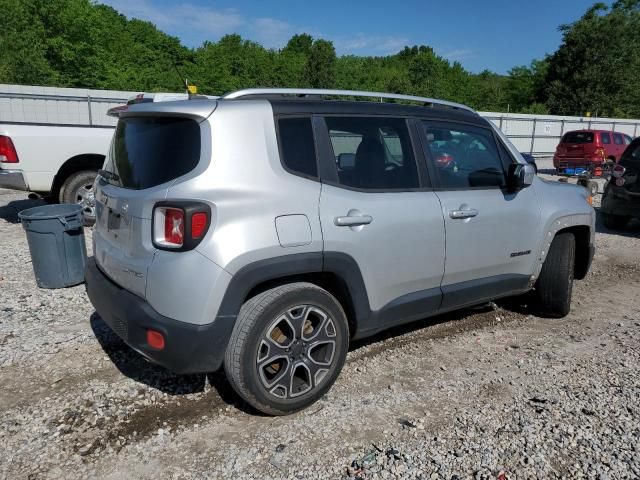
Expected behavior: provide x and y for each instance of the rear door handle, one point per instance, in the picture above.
(467, 213)
(353, 220)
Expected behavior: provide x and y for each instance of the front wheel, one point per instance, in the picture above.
(78, 188)
(287, 348)
(555, 284)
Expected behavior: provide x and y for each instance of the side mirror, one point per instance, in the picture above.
(520, 176)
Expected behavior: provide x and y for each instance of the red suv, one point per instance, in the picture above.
(584, 148)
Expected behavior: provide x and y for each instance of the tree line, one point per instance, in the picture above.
(80, 43)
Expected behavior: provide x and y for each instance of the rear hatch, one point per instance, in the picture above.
(576, 146)
(148, 153)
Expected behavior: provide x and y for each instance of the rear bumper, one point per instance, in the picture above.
(12, 179)
(617, 201)
(188, 348)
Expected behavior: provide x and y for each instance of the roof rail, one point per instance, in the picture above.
(345, 93)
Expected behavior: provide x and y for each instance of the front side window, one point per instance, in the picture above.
(605, 138)
(627, 139)
(297, 148)
(617, 139)
(463, 156)
(373, 153)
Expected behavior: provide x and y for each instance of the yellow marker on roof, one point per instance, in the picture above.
(192, 89)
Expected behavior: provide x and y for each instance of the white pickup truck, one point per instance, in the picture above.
(59, 162)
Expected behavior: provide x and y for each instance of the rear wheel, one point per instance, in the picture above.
(555, 283)
(78, 188)
(615, 222)
(287, 348)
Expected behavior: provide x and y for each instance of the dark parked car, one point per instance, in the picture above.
(621, 200)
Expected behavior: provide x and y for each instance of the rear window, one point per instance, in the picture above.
(578, 137)
(631, 156)
(148, 151)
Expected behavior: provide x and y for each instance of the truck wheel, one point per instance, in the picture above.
(287, 348)
(78, 188)
(614, 222)
(555, 283)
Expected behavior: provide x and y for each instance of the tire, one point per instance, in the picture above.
(555, 283)
(614, 222)
(78, 188)
(264, 330)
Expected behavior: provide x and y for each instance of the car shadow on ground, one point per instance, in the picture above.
(632, 229)
(134, 366)
(9, 212)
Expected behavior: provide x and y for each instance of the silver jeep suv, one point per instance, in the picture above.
(266, 229)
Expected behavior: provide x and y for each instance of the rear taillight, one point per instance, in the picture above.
(8, 152)
(618, 171)
(180, 225)
(599, 154)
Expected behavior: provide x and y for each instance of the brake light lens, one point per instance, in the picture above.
(8, 152)
(600, 153)
(618, 171)
(155, 339)
(169, 227)
(180, 225)
(198, 224)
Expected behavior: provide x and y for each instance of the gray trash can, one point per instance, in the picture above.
(56, 243)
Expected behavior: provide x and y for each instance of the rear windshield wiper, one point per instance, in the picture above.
(109, 175)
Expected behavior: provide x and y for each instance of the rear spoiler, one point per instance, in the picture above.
(156, 97)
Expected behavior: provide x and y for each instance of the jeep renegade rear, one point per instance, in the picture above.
(265, 230)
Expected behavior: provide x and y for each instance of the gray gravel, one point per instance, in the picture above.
(491, 392)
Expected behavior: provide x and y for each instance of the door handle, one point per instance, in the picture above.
(353, 220)
(466, 213)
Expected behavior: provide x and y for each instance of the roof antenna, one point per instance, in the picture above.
(192, 90)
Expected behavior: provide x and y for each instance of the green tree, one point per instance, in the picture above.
(321, 64)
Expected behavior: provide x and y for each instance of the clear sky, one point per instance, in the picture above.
(481, 34)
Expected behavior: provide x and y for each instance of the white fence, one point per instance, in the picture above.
(536, 134)
(540, 134)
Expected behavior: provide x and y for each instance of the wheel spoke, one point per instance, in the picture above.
(296, 351)
(297, 317)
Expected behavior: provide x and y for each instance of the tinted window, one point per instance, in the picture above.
(605, 138)
(627, 139)
(578, 137)
(373, 153)
(149, 151)
(464, 156)
(297, 150)
(617, 139)
(631, 156)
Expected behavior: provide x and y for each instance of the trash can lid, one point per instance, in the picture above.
(48, 212)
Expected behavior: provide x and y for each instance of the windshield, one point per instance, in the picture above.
(148, 151)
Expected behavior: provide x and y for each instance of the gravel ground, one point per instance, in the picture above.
(491, 392)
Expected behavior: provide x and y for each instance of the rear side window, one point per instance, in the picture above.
(617, 139)
(605, 138)
(627, 139)
(373, 153)
(464, 156)
(297, 149)
(578, 137)
(148, 151)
